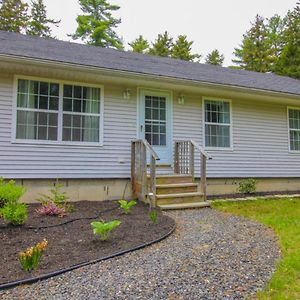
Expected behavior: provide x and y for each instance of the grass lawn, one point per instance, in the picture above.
(283, 216)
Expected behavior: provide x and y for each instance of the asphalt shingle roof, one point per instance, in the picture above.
(60, 51)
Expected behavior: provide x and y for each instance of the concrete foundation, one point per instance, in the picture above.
(230, 185)
(79, 189)
(114, 189)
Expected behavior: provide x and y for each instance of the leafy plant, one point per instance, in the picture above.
(126, 205)
(103, 229)
(10, 192)
(59, 198)
(30, 258)
(14, 213)
(153, 216)
(247, 186)
(50, 209)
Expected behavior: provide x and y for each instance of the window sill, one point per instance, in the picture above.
(54, 143)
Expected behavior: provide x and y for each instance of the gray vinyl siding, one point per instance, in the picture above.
(48, 161)
(260, 141)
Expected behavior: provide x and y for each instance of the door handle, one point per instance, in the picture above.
(142, 127)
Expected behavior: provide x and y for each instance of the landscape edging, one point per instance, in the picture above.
(71, 268)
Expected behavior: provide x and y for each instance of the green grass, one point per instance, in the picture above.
(283, 216)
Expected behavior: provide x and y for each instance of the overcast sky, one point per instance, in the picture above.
(209, 23)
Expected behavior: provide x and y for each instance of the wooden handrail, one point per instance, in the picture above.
(140, 187)
(197, 146)
(149, 148)
(184, 161)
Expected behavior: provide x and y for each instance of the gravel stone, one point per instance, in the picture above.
(211, 255)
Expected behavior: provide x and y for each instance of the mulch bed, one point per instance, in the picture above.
(71, 240)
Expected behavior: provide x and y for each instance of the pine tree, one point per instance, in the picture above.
(254, 53)
(214, 58)
(13, 16)
(182, 48)
(275, 43)
(162, 45)
(39, 23)
(289, 60)
(96, 24)
(139, 45)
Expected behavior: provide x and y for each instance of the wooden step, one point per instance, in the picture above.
(173, 178)
(184, 205)
(179, 198)
(175, 188)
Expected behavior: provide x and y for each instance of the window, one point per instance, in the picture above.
(294, 129)
(42, 106)
(155, 120)
(217, 123)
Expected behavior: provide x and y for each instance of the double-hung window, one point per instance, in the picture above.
(294, 129)
(58, 112)
(217, 123)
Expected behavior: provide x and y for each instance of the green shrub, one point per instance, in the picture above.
(126, 205)
(103, 229)
(14, 213)
(59, 198)
(10, 192)
(153, 216)
(247, 186)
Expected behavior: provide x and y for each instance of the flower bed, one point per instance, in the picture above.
(71, 240)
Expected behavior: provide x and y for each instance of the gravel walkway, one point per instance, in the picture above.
(211, 256)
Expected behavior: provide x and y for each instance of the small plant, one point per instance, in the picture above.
(247, 186)
(50, 209)
(14, 213)
(103, 229)
(126, 205)
(10, 192)
(30, 258)
(153, 216)
(59, 198)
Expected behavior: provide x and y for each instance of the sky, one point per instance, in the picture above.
(211, 24)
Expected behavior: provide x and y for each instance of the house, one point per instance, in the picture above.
(83, 114)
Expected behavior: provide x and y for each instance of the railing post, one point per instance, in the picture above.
(203, 176)
(133, 168)
(143, 171)
(176, 158)
(153, 180)
(191, 160)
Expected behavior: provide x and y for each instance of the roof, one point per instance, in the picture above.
(14, 44)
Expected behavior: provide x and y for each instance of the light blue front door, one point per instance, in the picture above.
(155, 115)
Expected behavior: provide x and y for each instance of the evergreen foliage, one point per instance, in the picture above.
(39, 22)
(96, 25)
(214, 58)
(13, 16)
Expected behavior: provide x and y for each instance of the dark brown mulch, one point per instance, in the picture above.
(74, 243)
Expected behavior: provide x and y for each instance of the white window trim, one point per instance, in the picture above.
(206, 98)
(59, 141)
(289, 129)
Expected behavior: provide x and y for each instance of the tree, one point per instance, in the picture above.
(13, 16)
(254, 52)
(96, 25)
(139, 45)
(274, 29)
(162, 45)
(214, 58)
(289, 60)
(39, 23)
(182, 48)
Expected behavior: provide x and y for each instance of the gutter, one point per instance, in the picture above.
(146, 76)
